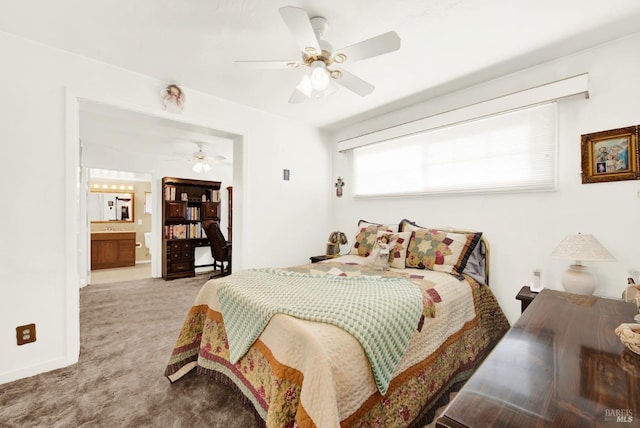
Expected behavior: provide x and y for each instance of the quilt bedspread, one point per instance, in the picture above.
(314, 374)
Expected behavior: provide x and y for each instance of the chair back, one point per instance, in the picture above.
(219, 248)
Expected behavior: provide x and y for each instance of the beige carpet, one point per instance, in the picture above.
(128, 330)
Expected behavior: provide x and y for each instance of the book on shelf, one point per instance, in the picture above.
(170, 193)
(193, 213)
(184, 231)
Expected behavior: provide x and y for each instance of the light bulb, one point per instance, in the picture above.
(320, 78)
(197, 167)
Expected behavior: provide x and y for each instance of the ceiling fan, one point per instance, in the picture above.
(202, 162)
(321, 58)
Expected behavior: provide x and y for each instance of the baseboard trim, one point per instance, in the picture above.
(43, 367)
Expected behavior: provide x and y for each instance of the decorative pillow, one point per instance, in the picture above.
(475, 266)
(366, 236)
(398, 246)
(408, 225)
(440, 250)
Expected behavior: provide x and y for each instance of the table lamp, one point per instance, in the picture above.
(336, 239)
(577, 279)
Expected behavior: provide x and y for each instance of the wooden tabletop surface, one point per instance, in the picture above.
(561, 364)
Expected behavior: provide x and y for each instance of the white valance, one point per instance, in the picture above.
(537, 95)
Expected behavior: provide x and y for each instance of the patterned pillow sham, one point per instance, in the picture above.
(475, 266)
(398, 246)
(366, 236)
(440, 250)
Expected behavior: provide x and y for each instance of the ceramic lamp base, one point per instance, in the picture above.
(578, 280)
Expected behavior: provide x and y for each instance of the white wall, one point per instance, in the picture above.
(268, 230)
(524, 228)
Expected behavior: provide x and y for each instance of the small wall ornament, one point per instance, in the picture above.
(173, 98)
(339, 185)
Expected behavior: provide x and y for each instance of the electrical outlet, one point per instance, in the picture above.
(26, 334)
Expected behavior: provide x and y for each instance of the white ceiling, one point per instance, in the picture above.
(446, 44)
(132, 132)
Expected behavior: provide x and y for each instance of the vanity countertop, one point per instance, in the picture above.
(113, 234)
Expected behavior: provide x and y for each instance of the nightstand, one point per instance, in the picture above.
(316, 259)
(526, 296)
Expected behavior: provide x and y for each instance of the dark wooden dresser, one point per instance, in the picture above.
(560, 365)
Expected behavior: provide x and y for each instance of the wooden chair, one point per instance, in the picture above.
(220, 247)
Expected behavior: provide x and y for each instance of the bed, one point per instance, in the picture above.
(341, 343)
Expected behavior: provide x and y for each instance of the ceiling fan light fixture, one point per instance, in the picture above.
(197, 167)
(320, 78)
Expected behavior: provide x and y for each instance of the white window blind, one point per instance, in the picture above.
(513, 151)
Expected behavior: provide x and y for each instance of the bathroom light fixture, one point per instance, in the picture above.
(577, 279)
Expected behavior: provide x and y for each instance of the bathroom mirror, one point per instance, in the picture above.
(110, 207)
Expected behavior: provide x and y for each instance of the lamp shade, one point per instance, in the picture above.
(585, 248)
(577, 279)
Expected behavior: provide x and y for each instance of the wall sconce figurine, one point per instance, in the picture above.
(339, 184)
(173, 98)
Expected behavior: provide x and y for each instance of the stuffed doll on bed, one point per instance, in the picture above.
(378, 259)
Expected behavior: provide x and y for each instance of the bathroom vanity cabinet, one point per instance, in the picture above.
(112, 249)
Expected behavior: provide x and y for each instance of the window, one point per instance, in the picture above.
(513, 151)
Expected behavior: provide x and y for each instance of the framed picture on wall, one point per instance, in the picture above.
(610, 155)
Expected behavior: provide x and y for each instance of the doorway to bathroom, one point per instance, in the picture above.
(119, 212)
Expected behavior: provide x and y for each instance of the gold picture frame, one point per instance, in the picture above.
(610, 155)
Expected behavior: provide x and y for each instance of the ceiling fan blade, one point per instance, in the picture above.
(302, 91)
(298, 22)
(382, 44)
(354, 83)
(267, 65)
(297, 96)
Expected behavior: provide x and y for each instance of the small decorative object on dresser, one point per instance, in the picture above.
(632, 294)
(629, 334)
